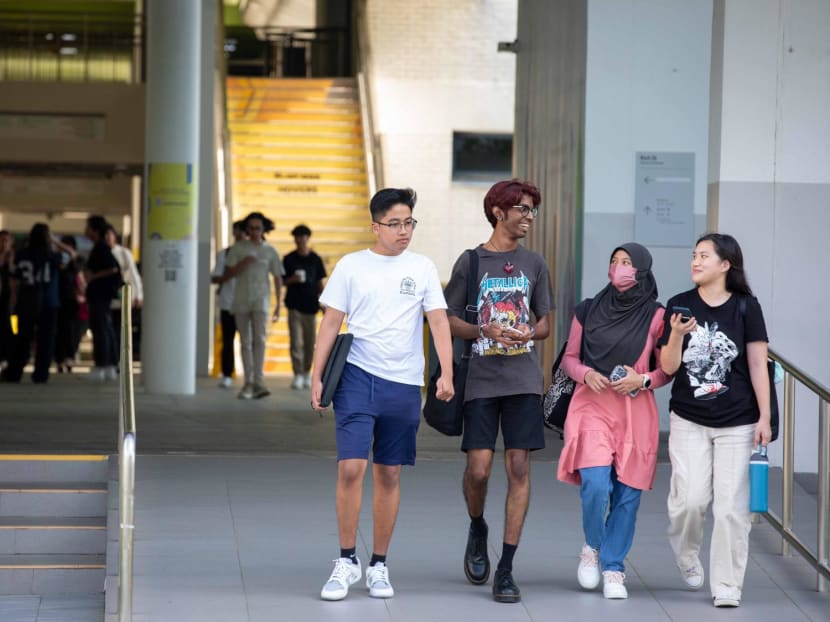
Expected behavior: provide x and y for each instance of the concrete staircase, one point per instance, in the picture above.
(297, 156)
(53, 524)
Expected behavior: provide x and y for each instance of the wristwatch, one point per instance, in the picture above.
(646, 381)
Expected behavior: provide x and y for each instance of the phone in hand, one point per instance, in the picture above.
(685, 313)
(618, 373)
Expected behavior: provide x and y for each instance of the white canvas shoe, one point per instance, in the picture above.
(692, 574)
(345, 574)
(613, 584)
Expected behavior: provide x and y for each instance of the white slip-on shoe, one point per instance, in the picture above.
(377, 580)
(726, 602)
(613, 584)
(588, 571)
(345, 574)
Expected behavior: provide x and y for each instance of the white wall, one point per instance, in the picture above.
(647, 89)
(436, 70)
(772, 186)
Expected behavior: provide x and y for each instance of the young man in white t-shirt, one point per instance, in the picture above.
(385, 292)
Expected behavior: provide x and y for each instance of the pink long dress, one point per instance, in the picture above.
(608, 428)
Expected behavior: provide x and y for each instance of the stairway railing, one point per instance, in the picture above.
(784, 524)
(126, 462)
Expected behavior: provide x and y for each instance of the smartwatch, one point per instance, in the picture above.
(646, 381)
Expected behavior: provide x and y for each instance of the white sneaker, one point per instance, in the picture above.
(692, 574)
(225, 382)
(247, 392)
(111, 373)
(588, 571)
(613, 584)
(377, 580)
(727, 602)
(297, 383)
(307, 381)
(96, 374)
(345, 573)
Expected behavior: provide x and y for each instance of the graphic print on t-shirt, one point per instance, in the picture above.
(708, 359)
(503, 300)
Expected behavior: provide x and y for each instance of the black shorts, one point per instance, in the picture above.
(521, 422)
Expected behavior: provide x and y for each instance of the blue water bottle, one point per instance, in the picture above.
(759, 480)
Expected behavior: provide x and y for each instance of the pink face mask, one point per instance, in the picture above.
(622, 277)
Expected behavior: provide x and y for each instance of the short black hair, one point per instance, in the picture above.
(267, 223)
(98, 224)
(387, 198)
(239, 224)
(301, 230)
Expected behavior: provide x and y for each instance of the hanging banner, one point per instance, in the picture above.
(171, 201)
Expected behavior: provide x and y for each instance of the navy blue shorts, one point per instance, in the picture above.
(520, 417)
(367, 409)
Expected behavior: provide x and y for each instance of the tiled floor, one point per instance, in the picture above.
(245, 530)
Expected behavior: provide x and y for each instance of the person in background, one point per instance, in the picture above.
(103, 278)
(130, 276)
(613, 429)
(224, 300)
(35, 299)
(6, 264)
(304, 274)
(251, 262)
(68, 324)
(714, 342)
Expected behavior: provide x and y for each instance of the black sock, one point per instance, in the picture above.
(377, 558)
(350, 554)
(507, 553)
(478, 525)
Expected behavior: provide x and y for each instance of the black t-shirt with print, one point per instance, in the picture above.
(712, 387)
(304, 297)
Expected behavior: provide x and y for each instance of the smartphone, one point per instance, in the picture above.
(619, 372)
(685, 313)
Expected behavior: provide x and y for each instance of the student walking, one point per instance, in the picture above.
(384, 291)
(612, 430)
(504, 379)
(715, 344)
(304, 274)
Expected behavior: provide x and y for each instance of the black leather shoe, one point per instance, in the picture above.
(505, 589)
(476, 561)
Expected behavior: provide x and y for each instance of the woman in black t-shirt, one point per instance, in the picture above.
(714, 342)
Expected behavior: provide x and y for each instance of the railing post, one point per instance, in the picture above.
(788, 466)
(823, 491)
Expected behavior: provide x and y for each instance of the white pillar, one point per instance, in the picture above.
(171, 204)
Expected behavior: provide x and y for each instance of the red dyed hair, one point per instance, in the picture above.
(506, 194)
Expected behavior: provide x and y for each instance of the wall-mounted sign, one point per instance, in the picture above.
(664, 200)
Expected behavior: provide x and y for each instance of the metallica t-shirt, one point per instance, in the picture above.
(712, 387)
(511, 286)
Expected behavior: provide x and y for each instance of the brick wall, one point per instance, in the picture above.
(436, 70)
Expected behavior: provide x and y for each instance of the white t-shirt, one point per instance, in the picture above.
(253, 285)
(224, 293)
(384, 299)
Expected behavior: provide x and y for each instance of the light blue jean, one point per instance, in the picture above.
(602, 494)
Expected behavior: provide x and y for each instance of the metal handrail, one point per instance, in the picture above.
(371, 145)
(784, 524)
(126, 461)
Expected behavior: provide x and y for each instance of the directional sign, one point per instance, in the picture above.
(664, 198)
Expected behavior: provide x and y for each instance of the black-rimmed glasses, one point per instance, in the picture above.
(406, 225)
(526, 209)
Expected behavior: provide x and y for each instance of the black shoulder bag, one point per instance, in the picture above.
(448, 417)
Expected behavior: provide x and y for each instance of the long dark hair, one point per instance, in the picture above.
(40, 240)
(728, 249)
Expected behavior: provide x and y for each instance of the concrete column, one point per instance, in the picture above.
(769, 174)
(174, 33)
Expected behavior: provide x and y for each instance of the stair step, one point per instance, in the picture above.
(53, 467)
(249, 174)
(262, 116)
(293, 126)
(278, 141)
(51, 574)
(23, 535)
(53, 499)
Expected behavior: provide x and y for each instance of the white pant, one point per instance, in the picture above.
(253, 332)
(711, 465)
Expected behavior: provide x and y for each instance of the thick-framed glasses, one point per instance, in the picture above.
(526, 209)
(405, 225)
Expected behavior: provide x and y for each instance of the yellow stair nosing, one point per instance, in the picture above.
(55, 457)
